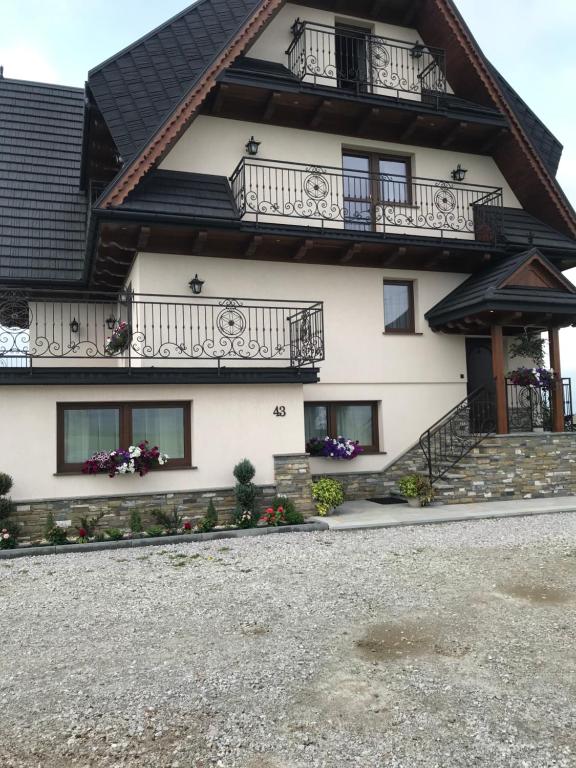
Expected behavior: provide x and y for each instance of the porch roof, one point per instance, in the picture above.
(523, 290)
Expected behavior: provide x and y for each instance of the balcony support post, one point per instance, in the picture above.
(557, 387)
(499, 379)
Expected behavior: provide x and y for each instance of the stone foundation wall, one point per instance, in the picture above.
(292, 475)
(503, 467)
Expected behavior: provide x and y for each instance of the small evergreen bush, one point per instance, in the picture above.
(114, 534)
(291, 515)
(7, 506)
(246, 493)
(170, 521)
(136, 522)
(210, 520)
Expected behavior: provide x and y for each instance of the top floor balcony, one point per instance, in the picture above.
(352, 59)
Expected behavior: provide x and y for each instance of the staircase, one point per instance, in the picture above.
(456, 434)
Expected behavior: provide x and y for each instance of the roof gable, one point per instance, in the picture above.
(530, 176)
(537, 272)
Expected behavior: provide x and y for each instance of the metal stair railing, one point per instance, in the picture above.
(456, 434)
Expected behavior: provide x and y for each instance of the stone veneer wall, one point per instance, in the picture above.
(522, 466)
(292, 475)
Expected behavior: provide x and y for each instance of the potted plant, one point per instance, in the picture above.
(417, 490)
(339, 448)
(328, 494)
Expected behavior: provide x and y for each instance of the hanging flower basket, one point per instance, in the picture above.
(543, 378)
(334, 448)
(120, 339)
(136, 460)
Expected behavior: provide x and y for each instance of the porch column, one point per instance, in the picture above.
(558, 387)
(499, 379)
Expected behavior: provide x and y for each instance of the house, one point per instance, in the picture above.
(270, 221)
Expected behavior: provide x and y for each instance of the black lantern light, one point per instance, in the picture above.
(111, 323)
(253, 146)
(196, 285)
(417, 51)
(459, 174)
(75, 326)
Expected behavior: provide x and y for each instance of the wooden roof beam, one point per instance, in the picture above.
(399, 253)
(199, 243)
(271, 105)
(303, 249)
(411, 128)
(353, 251)
(143, 238)
(453, 134)
(319, 113)
(253, 247)
(369, 116)
(221, 95)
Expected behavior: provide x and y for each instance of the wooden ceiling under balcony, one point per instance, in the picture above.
(330, 110)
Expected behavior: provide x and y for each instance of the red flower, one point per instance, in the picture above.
(187, 526)
(82, 533)
(281, 510)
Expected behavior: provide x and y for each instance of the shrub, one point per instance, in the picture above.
(57, 536)
(5, 484)
(246, 492)
(210, 520)
(136, 522)
(7, 506)
(417, 487)
(170, 521)
(88, 525)
(291, 514)
(328, 494)
(9, 535)
(49, 524)
(114, 534)
(155, 531)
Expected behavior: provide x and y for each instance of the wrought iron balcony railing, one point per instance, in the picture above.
(266, 191)
(532, 408)
(136, 329)
(354, 60)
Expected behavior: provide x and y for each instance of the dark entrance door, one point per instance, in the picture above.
(481, 374)
(352, 57)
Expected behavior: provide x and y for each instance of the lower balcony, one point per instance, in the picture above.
(363, 201)
(174, 339)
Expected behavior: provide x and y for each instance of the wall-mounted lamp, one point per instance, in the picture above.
(417, 51)
(253, 146)
(75, 326)
(111, 323)
(459, 174)
(196, 285)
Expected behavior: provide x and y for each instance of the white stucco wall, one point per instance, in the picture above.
(216, 145)
(229, 423)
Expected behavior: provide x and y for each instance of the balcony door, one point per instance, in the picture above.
(352, 57)
(372, 182)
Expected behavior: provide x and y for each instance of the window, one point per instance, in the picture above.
(85, 428)
(398, 306)
(372, 180)
(352, 420)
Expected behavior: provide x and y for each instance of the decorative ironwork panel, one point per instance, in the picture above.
(358, 61)
(364, 201)
(132, 327)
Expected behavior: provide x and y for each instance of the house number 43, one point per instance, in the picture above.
(280, 411)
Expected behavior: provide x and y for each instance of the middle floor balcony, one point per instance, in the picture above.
(360, 198)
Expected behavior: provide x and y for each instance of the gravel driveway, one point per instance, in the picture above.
(440, 646)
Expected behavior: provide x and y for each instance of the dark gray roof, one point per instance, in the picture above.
(42, 211)
(484, 292)
(174, 193)
(137, 89)
(542, 139)
(523, 230)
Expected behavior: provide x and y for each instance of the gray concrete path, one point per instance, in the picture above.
(366, 514)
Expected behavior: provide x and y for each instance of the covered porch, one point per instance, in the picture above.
(523, 295)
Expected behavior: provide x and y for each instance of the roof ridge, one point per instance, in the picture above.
(145, 37)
